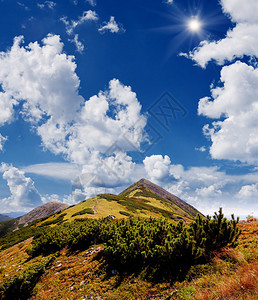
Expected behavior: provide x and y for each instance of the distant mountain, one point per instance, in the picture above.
(4, 218)
(15, 214)
(42, 211)
(37, 213)
(142, 199)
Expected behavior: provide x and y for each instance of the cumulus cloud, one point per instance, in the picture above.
(249, 191)
(240, 11)
(234, 102)
(239, 41)
(6, 107)
(235, 136)
(111, 26)
(72, 24)
(24, 195)
(95, 133)
(157, 167)
(43, 77)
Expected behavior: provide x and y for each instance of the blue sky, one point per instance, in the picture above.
(95, 95)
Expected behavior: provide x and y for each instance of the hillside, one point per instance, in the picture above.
(37, 213)
(231, 273)
(42, 211)
(4, 218)
(142, 199)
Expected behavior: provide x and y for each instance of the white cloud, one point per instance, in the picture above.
(42, 76)
(3, 139)
(240, 41)
(86, 16)
(111, 26)
(44, 79)
(24, 195)
(169, 2)
(79, 45)
(157, 167)
(206, 188)
(234, 102)
(241, 11)
(64, 171)
(6, 107)
(249, 191)
(201, 149)
(48, 4)
(210, 191)
(235, 137)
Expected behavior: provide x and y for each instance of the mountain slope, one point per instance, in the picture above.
(37, 213)
(142, 199)
(42, 211)
(160, 192)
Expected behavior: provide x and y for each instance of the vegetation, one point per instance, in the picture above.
(226, 273)
(124, 213)
(21, 285)
(83, 212)
(137, 243)
(58, 220)
(18, 236)
(7, 226)
(133, 204)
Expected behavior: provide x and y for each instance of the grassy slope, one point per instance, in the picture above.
(232, 274)
(138, 202)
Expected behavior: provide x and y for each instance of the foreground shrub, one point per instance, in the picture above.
(137, 243)
(20, 286)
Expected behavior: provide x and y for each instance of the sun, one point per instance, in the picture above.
(194, 25)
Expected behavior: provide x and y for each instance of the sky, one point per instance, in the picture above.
(97, 94)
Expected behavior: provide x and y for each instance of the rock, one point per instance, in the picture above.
(110, 217)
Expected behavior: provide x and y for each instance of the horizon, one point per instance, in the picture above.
(95, 95)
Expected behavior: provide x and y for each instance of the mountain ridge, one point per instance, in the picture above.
(166, 195)
(142, 199)
(42, 211)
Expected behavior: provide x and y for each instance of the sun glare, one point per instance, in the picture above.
(194, 25)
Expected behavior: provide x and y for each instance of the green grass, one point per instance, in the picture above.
(57, 220)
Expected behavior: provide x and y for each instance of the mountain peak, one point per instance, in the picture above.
(162, 193)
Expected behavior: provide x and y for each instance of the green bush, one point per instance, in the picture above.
(137, 243)
(20, 286)
(57, 220)
(84, 212)
(124, 213)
